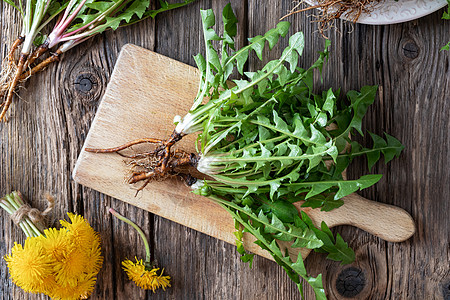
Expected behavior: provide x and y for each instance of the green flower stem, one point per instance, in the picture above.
(27, 229)
(139, 230)
(17, 201)
(6, 206)
(11, 203)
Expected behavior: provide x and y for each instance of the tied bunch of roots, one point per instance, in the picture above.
(265, 143)
(330, 10)
(18, 69)
(76, 22)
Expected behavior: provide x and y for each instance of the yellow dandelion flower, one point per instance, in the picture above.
(93, 254)
(85, 255)
(28, 265)
(82, 290)
(56, 243)
(141, 273)
(83, 234)
(71, 267)
(61, 263)
(145, 278)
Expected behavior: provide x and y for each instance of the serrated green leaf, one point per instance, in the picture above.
(201, 62)
(446, 47)
(299, 266)
(317, 286)
(342, 252)
(297, 43)
(360, 101)
(326, 203)
(368, 180)
(229, 25)
(257, 45)
(283, 210)
(346, 188)
(394, 148)
(318, 188)
(100, 6)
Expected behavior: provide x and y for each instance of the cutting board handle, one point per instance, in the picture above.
(385, 221)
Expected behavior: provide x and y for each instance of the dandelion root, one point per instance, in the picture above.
(157, 164)
(331, 10)
(14, 83)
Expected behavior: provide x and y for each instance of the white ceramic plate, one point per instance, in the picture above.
(391, 11)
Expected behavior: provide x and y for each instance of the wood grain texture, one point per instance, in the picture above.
(48, 125)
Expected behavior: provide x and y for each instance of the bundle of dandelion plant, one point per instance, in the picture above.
(61, 263)
(76, 21)
(266, 142)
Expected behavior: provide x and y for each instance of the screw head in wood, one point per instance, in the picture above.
(85, 82)
(85, 86)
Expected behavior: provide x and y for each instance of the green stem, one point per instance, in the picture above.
(230, 181)
(16, 201)
(7, 207)
(139, 230)
(273, 158)
(11, 203)
(276, 129)
(27, 229)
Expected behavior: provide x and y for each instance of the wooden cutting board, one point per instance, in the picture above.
(145, 92)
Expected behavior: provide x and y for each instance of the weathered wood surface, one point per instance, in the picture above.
(47, 127)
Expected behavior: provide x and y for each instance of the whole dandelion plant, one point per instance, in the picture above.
(76, 22)
(61, 263)
(266, 142)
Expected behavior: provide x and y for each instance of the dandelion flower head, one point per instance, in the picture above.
(56, 243)
(82, 233)
(82, 290)
(29, 265)
(62, 263)
(144, 277)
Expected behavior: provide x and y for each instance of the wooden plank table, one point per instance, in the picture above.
(41, 141)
